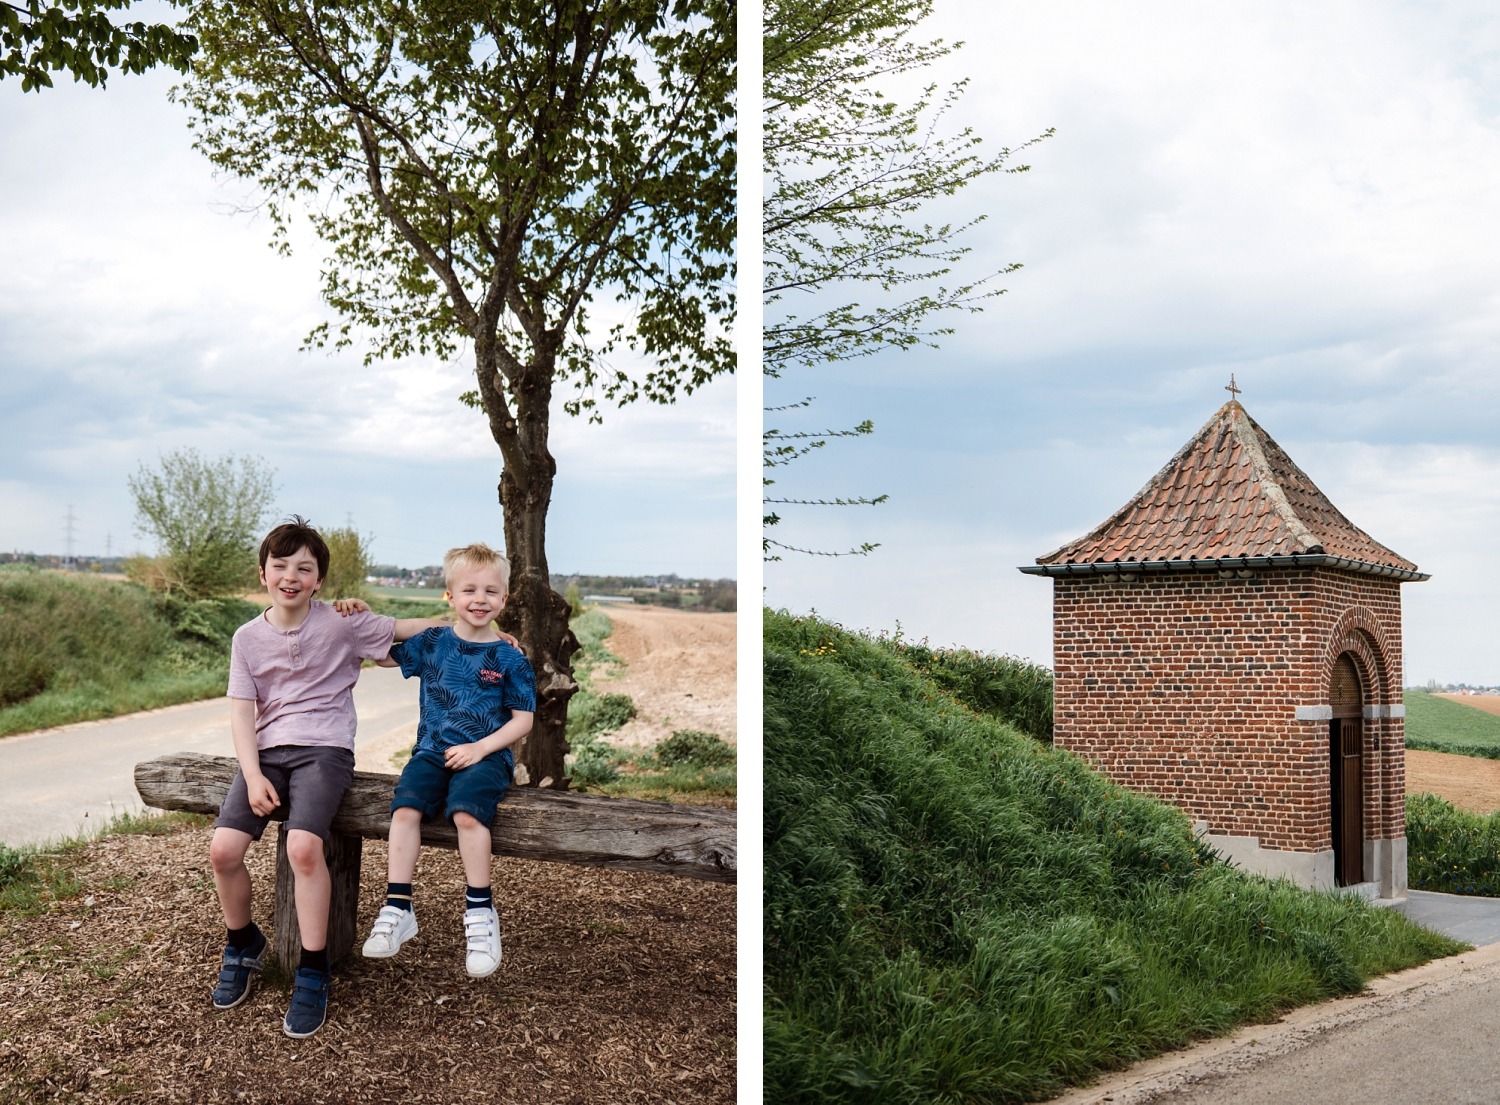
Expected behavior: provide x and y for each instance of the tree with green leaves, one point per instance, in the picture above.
(548, 185)
(207, 516)
(348, 564)
(850, 266)
(78, 37)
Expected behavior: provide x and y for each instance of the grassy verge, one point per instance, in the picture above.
(31, 878)
(690, 766)
(956, 912)
(1441, 725)
(75, 648)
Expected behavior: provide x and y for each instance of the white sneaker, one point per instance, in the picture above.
(482, 931)
(392, 928)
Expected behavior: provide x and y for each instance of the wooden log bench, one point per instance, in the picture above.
(621, 833)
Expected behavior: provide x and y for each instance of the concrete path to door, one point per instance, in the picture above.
(70, 781)
(1473, 920)
(1427, 1035)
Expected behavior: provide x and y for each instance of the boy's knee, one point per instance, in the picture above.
(462, 821)
(406, 816)
(304, 851)
(226, 852)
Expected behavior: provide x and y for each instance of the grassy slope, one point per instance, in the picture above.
(1441, 725)
(955, 912)
(75, 648)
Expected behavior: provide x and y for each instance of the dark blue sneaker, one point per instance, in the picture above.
(309, 1003)
(235, 974)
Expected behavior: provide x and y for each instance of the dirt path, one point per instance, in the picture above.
(678, 668)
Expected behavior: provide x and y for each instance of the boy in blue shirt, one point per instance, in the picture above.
(478, 699)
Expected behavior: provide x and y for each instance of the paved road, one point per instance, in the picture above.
(65, 782)
(1428, 1035)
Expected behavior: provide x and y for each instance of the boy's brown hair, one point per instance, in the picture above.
(477, 555)
(288, 537)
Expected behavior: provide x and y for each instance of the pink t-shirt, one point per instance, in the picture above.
(302, 680)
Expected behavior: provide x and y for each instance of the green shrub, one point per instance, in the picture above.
(694, 746)
(14, 865)
(594, 764)
(590, 714)
(954, 911)
(1450, 850)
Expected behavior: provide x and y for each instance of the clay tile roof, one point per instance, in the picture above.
(1229, 492)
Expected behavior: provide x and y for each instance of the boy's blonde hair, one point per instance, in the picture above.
(477, 555)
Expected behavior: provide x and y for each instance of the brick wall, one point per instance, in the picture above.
(1187, 686)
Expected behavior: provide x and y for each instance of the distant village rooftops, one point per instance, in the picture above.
(1230, 498)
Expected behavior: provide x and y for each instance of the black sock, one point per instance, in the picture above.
(478, 897)
(244, 939)
(314, 960)
(398, 894)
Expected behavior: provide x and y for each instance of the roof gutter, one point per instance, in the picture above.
(1227, 563)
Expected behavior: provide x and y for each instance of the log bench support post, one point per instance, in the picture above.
(344, 853)
(560, 826)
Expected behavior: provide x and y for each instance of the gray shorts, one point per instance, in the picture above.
(310, 780)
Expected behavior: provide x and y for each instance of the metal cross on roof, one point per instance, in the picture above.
(1233, 391)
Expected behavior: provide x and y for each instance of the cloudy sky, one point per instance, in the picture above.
(1301, 195)
(139, 314)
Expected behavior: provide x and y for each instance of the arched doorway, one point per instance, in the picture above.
(1347, 773)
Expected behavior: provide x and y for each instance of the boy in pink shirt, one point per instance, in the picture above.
(292, 671)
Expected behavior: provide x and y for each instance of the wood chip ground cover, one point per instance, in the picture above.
(614, 987)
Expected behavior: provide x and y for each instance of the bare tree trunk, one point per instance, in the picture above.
(535, 613)
(538, 615)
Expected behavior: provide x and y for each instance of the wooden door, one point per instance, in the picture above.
(1347, 774)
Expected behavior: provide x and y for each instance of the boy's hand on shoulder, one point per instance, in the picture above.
(345, 607)
(508, 639)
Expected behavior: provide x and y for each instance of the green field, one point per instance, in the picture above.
(411, 594)
(1441, 725)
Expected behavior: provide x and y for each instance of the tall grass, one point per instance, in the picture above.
(75, 648)
(955, 912)
(1442, 725)
(1005, 687)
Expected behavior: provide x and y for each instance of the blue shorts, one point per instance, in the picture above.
(426, 784)
(309, 779)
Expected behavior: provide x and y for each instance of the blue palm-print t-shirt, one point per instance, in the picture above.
(468, 690)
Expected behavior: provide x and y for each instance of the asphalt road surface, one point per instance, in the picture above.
(70, 781)
(1427, 1036)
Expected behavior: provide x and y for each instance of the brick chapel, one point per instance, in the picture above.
(1230, 642)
